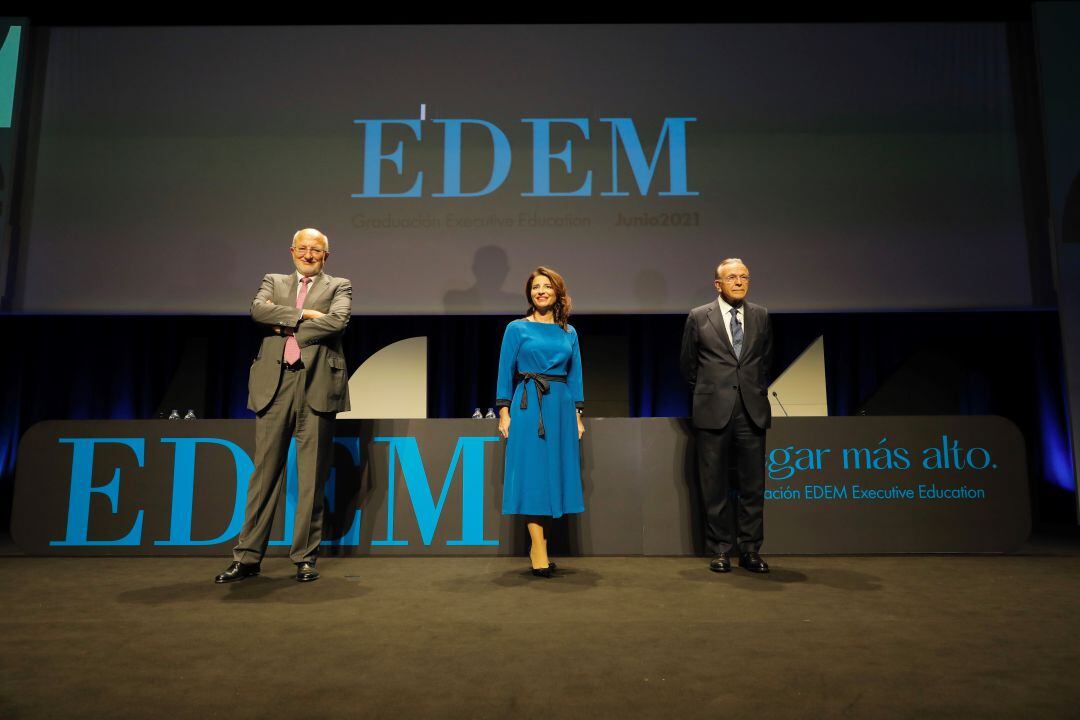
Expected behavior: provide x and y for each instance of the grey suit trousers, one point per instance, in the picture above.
(287, 416)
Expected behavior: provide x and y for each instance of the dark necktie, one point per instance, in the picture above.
(736, 332)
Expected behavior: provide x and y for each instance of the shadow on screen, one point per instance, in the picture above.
(490, 268)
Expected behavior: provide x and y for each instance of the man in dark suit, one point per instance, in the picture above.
(726, 353)
(298, 384)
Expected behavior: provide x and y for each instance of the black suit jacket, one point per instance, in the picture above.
(708, 363)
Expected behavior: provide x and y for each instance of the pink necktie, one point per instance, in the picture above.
(292, 348)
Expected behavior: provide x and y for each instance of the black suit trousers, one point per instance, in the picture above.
(733, 458)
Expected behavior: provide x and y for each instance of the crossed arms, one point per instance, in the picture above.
(308, 325)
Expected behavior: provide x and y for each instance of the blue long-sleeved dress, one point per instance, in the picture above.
(543, 474)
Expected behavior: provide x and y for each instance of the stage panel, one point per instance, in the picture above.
(433, 487)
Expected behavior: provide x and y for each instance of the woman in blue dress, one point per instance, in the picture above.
(540, 394)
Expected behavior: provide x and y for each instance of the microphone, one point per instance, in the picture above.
(780, 404)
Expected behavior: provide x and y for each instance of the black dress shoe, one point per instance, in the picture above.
(237, 571)
(306, 572)
(752, 561)
(552, 566)
(542, 572)
(721, 563)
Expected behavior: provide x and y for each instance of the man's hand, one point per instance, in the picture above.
(308, 314)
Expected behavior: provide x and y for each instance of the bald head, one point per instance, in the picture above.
(303, 236)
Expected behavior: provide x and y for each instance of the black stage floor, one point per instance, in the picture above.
(609, 637)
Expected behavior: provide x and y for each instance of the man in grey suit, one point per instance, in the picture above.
(298, 384)
(726, 354)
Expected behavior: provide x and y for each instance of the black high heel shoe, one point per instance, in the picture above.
(543, 572)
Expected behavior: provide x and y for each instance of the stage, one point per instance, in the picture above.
(898, 394)
(872, 636)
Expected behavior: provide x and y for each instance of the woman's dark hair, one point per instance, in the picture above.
(561, 308)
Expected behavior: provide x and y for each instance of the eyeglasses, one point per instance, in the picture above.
(304, 250)
(732, 278)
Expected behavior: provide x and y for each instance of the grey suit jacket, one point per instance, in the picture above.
(319, 340)
(709, 364)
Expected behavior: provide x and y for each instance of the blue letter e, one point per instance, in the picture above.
(82, 470)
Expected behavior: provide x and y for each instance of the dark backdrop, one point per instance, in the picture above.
(979, 363)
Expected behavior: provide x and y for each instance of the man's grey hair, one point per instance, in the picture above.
(725, 261)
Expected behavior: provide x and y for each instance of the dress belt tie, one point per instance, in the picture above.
(542, 383)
